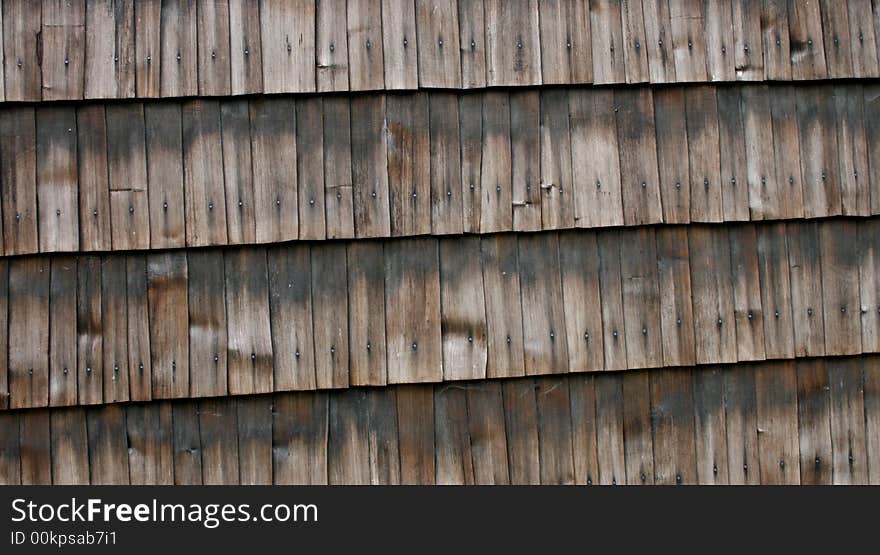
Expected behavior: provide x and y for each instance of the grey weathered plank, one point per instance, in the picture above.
(609, 429)
(740, 404)
(658, 41)
(786, 145)
(139, 355)
(760, 164)
(365, 51)
(718, 29)
(835, 27)
(245, 48)
(672, 421)
(806, 289)
(166, 285)
(179, 49)
(773, 269)
(863, 39)
(399, 42)
(310, 168)
(632, 26)
(57, 187)
(128, 178)
(734, 165)
(579, 264)
(557, 185)
(61, 52)
(641, 298)
(62, 331)
(207, 323)
(513, 43)
(496, 205)
(114, 322)
(688, 40)
(287, 32)
(439, 45)
(366, 313)
(819, 152)
(447, 187)
(676, 310)
(273, 150)
(672, 154)
(777, 420)
(470, 113)
(213, 24)
(637, 428)
(838, 245)
(18, 166)
(110, 49)
(748, 310)
(407, 137)
(463, 310)
(555, 430)
(640, 182)
(241, 226)
(777, 48)
(338, 209)
(585, 452)
(704, 154)
(607, 41)
(748, 54)
(814, 422)
(485, 407)
(369, 167)
(852, 150)
(148, 47)
(164, 146)
(525, 150)
(415, 417)
(713, 299)
(94, 192)
(21, 47)
(566, 43)
(611, 290)
(455, 465)
(203, 174)
(504, 318)
(848, 430)
(330, 306)
(521, 423)
(249, 357)
(872, 136)
(869, 284)
(806, 41)
(89, 331)
(472, 35)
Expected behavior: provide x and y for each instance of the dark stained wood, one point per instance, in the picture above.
(463, 310)
(310, 168)
(710, 426)
(672, 154)
(249, 355)
(747, 307)
(273, 147)
(863, 39)
(637, 428)
(383, 437)
(255, 440)
(150, 443)
(408, 148)
(218, 433)
(94, 192)
(609, 429)
(412, 310)
(704, 154)
(299, 439)
(69, 444)
(470, 112)
(415, 417)
(108, 449)
(790, 197)
(611, 290)
(819, 154)
(776, 390)
(241, 225)
(848, 431)
(366, 313)
(582, 393)
(869, 284)
(640, 182)
(446, 170)
(452, 437)
(806, 289)
(672, 421)
(634, 54)
(871, 392)
(114, 323)
(775, 291)
(838, 244)
(814, 422)
(18, 167)
(34, 442)
(521, 423)
(488, 440)
(734, 164)
(166, 285)
(207, 323)
(62, 331)
(835, 27)
(762, 182)
(21, 49)
(872, 134)
(676, 310)
(139, 355)
(187, 443)
(579, 264)
(203, 174)
(853, 150)
(128, 180)
(57, 216)
(10, 454)
(348, 448)
(337, 168)
(504, 318)
(4, 335)
(330, 304)
(713, 298)
(29, 287)
(290, 307)
(777, 48)
(369, 167)
(555, 431)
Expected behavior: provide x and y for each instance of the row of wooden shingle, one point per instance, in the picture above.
(123, 49)
(162, 175)
(211, 322)
(816, 421)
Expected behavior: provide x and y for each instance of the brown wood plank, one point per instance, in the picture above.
(544, 337)
(10, 453)
(187, 444)
(763, 185)
(835, 27)
(658, 41)
(139, 354)
(718, 30)
(62, 331)
(310, 169)
(166, 286)
(454, 460)
(611, 289)
(19, 176)
(409, 173)
(676, 310)
(579, 264)
(110, 47)
(557, 189)
(69, 444)
(218, 433)
(365, 49)
(93, 193)
(57, 189)
(179, 48)
(415, 416)
(790, 197)
(869, 284)
(819, 152)
(504, 318)
(273, 138)
(777, 48)
(488, 442)
(848, 431)
(838, 244)
(164, 168)
(35, 448)
(470, 112)
(445, 160)
(637, 428)
(582, 393)
(412, 309)
(21, 49)
(713, 298)
(290, 307)
(814, 422)
(472, 35)
(776, 394)
(640, 181)
(203, 174)
(366, 313)
(806, 289)
(127, 170)
(214, 43)
(521, 423)
(775, 291)
(609, 429)
(369, 167)
(150, 443)
(853, 150)
(330, 302)
(872, 422)
(710, 426)
(463, 310)
(299, 438)
(29, 287)
(114, 323)
(513, 44)
(207, 323)
(595, 162)
(383, 437)
(287, 30)
(496, 172)
(249, 357)
(872, 135)
(241, 224)
(748, 309)
(633, 33)
(4, 334)
(348, 447)
(672, 421)
(255, 440)
(863, 39)
(331, 45)
(148, 46)
(555, 430)
(337, 168)
(641, 298)
(672, 154)
(704, 154)
(747, 40)
(566, 44)
(688, 40)
(439, 45)
(525, 150)
(734, 165)
(740, 406)
(245, 48)
(806, 41)
(108, 448)
(607, 40)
